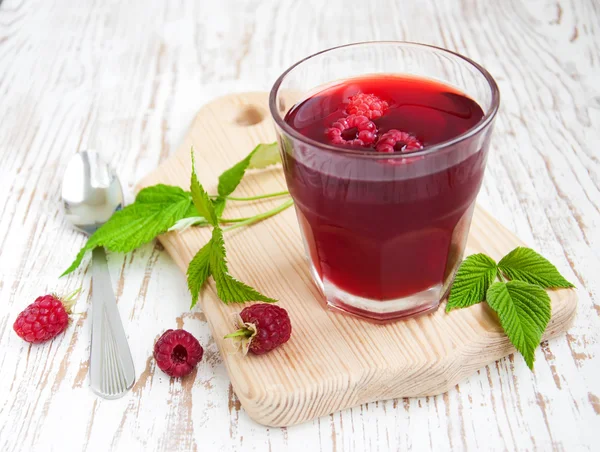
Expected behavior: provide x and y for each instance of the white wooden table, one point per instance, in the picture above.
(126, 77)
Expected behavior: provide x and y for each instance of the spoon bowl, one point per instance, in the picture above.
(91, 192)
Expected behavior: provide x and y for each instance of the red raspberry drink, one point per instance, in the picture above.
(384, 170)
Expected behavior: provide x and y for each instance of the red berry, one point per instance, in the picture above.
(395, 140)
(45, 318)
(355, 130)
(368, 105)
(177, 352)
(265, 326)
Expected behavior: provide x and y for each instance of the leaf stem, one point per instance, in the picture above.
(262, 216)
(233, 220)
(254, 198)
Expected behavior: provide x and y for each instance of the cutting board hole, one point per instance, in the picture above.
(250, 116)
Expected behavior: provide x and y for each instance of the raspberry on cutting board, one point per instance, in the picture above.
(262, 328)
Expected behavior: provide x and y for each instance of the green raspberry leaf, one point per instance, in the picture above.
(202, 201)
(473, 278)
(231, 178)
(261, 156)
(77, 262)
(161, 194)
(264, 155)
(192, 211)
(198, 271)
(524, 264)
(219, 204)
(524, 310)
(154, 211)
(229, 289)
(211, 259)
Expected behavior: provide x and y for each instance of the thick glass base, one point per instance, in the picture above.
(416, 304)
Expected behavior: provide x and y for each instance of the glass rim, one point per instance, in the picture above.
(481, 125)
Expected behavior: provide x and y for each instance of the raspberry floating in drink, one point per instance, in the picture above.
(368, 105)
(353, 130)
(395, 140)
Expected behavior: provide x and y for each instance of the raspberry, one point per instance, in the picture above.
(177, 352)
(355, 130)
(262, 327)
(45, 318)
(368, 105)
(395, 140)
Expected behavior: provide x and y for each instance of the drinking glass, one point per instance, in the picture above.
(384, 233)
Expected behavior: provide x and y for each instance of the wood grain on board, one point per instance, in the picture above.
(126, 78)
(333, 361)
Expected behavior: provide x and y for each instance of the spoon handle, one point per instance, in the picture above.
(111, 364)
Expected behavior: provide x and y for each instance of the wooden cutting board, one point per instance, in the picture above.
(333, 361)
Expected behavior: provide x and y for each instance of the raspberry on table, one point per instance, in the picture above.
(397, 141)
(368, 105)
(177, 353)
(353, 130)
(45, 318)
(262, 328)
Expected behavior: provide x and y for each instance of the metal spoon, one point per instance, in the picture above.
(91, 193)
